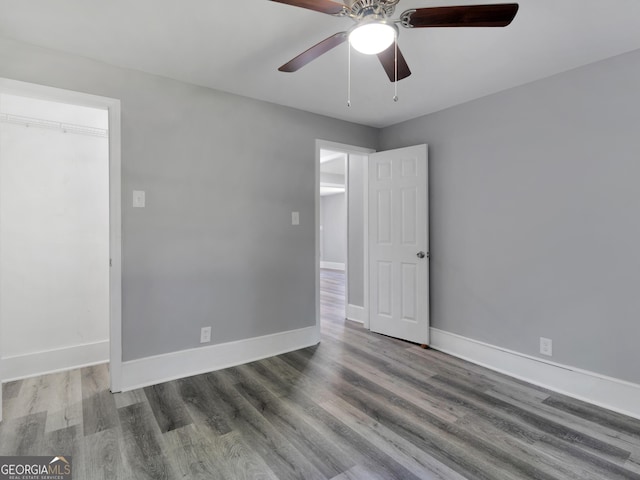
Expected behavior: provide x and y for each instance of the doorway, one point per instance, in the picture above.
(60, 231)
(333, 234)
(340, 231)
(386, 274)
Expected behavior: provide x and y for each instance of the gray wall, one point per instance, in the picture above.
(333, 219)
(356, 229)
(535, 216)
(215, 245)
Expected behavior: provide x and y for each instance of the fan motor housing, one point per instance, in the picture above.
(363, 8)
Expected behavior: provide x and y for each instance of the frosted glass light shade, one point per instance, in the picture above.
(372, 38)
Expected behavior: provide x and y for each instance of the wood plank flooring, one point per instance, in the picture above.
(358, 406)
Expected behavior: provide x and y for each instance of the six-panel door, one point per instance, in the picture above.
(398, 244)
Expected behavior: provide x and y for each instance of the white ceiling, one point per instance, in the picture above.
(237, 46)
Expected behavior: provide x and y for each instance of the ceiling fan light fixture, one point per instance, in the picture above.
(373, 37)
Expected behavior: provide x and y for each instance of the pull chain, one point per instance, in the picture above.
(395, 66)
(349, 76)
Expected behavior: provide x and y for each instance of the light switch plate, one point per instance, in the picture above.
(546, 346)
(295, 218)
(138, 199)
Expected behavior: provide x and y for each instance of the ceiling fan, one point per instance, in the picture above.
(375, 32)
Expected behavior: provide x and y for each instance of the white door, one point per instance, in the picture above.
(399, 244)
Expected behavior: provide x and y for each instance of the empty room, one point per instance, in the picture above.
(319, 239)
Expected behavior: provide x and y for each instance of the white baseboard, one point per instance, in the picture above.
(52, 361)
(607, 392)
(185, 363)
(332, 265)
(355, 313)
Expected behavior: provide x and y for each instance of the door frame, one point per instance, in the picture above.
(112, 105)
(348, 149)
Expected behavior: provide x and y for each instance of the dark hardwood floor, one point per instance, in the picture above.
(358, 406)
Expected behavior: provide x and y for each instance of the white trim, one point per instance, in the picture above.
(42, 363)
(347, 160)
(365, 238)
(611, 393)
(115, 247)
(355, 313)
(316, 226)
(163, 368)
(115, 209)
(332, 265)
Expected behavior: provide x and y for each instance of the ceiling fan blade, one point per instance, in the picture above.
(499, 15)
(314, 52)
(323, 6)
(387, 59)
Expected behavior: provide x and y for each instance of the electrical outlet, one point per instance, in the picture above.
(205, 334)
(546, 346)
(295, 218)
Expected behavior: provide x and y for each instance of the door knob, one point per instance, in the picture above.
(420, 254)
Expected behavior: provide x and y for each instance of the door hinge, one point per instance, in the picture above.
(110, 262)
